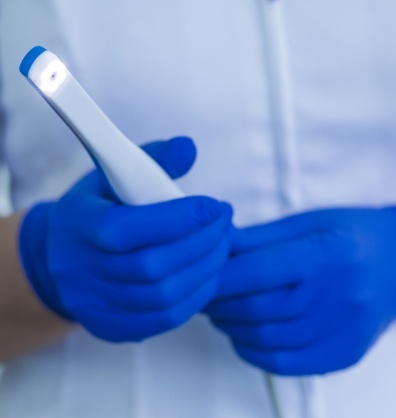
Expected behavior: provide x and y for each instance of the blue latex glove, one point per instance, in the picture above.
(126, 273)
(310, 293)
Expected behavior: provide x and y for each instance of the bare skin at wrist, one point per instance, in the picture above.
(26, 324)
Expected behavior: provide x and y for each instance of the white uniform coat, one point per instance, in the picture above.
(292, 105)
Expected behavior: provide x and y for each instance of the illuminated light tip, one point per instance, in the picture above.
(29, 59)
(52, 76)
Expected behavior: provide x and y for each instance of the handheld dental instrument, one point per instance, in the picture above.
(133, 175)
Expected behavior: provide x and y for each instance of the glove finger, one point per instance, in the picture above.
(263, 270)
(118, 325)
(280, 335)
(287, 229)
(280, 304)
(162, 294)
(127, 228)
(175, 156)
(321, 357)
(156, 263)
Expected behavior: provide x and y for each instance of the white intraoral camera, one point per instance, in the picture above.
(133, 175)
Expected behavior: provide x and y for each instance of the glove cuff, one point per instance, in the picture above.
(33, 254)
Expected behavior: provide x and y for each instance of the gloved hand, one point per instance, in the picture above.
(126, 273)
(310, 293)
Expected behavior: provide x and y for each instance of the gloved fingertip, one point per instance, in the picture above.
(175, 156)
(184, 145)
(179, 156)
(228, 211)
(208, 210)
